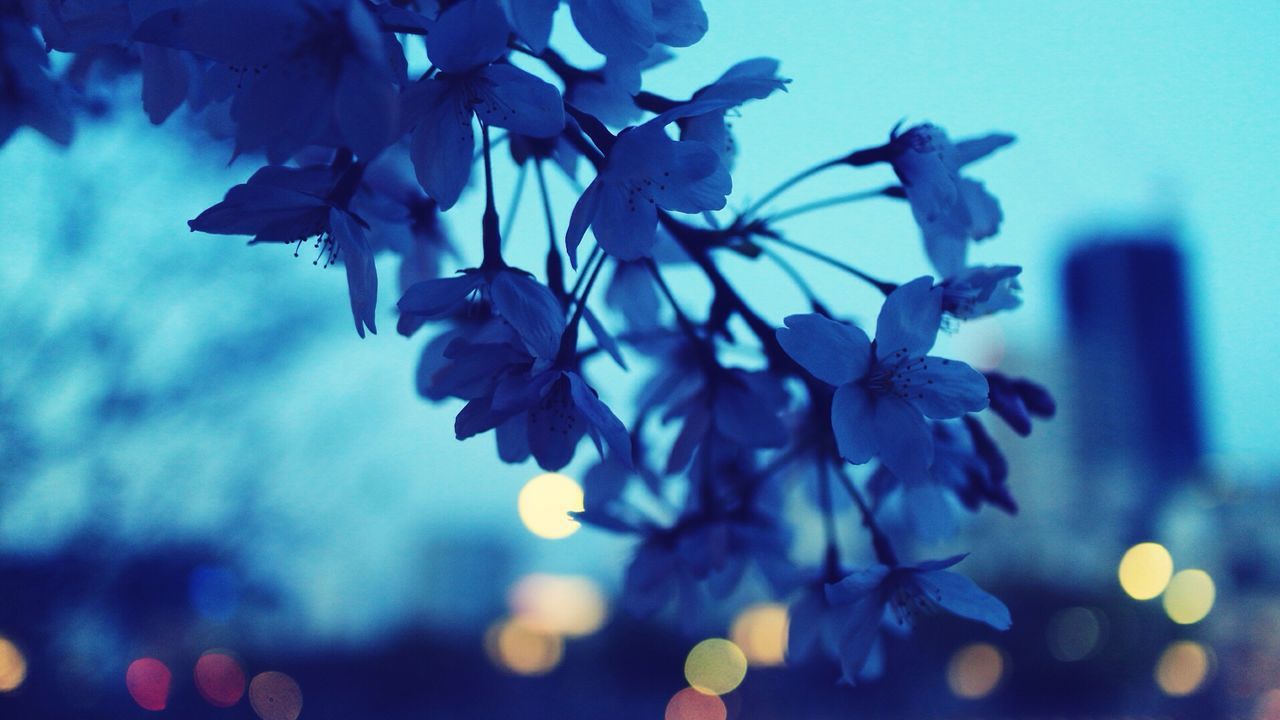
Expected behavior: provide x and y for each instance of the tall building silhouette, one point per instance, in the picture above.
(1138, 429)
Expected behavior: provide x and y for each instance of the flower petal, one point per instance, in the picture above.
(531, 309)
(853, 422)
(235, 32)
(469, 34)
(624, 224)
(948, 389)
(513, 439)
(967, 151)
(833, 352)
(475, 417)
(471, 376)
(943, 564)
(273, 214)
(804, 627)
(531, 19)
(679, 23)
(962, 597)
(164, 81)
(710, 130)
(753, 79)
(437, 297)
(983, 209)
(443, 142)
(602, 418)
(903, 437)
(362, 275)
(521, 102)
(366, 108)
(909, 319)
(282, 110)
(556, 425)
(584, 213)
(604, 338)
(615, 28)
(857, 585)
(861, 628)
(694, 180)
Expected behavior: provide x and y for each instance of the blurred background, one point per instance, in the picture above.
(206, 478)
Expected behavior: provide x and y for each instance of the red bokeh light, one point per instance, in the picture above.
(220, 679)
(148, 681)
(689, 704)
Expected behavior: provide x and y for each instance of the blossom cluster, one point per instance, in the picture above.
(361, 160)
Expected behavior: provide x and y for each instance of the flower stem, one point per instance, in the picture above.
(681, 318)
(725, 293)
(516, 196)
(787, 185)
(569, 342)
(594, 129)
(881, 285)
(586, 270)
(555, 264)
(791, 272)
(831, 561)
(827, 202)
(492, 237)
(879, 541)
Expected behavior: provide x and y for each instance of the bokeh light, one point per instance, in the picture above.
(1075, 633)
(219, 678)
(13, 666)
(715, 666)
(1182, 668)
(214, 592)
(148, 681)
(1145, 570)
(545, 503)
(1189, 597)
(689, 704)
(975, 670)
(520, 648)
(761, 631)
(275, 696)
(567, 605)
(1268, 706)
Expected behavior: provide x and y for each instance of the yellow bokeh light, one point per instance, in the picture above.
(1189, 597)
(761, 631)
(1182, 668)
(545, 503)
(13, 666)
(975, 670)
(522, 649)
(715, 666)
(565, 605)
(689, 704)
(1145, 570)
(1075, 633)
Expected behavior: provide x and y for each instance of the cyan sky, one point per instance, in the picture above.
(1128, 114)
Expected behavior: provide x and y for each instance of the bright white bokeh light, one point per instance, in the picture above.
(545, 503)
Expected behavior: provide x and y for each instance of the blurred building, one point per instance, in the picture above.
(1137, 424)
